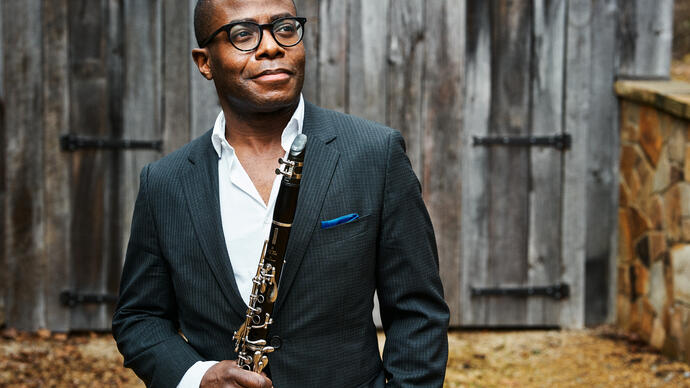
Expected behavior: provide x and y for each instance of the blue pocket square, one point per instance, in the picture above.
(340, 220)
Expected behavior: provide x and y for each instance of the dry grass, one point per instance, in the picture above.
(582, 358)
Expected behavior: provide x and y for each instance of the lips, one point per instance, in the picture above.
(273, 74)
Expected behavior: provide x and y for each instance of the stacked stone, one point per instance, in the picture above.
(654, 215)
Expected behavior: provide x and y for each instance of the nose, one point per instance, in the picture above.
(268, 47)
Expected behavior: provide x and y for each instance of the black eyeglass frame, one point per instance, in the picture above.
(270, 26)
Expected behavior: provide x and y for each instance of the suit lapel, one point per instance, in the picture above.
(200, 183)
(320, 161)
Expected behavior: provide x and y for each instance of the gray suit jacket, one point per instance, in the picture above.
(177, 275)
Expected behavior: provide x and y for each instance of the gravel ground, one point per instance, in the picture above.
(582, 358)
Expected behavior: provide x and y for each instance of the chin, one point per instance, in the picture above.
(270, 103)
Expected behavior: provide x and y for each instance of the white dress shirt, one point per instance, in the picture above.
(246, 219)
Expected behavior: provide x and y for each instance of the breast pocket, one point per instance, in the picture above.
(342, 232)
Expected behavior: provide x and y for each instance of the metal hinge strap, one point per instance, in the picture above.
(72, 142)
(71, 299)
(561, 142)
(558, 291)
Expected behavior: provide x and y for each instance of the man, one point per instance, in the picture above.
(203, 211)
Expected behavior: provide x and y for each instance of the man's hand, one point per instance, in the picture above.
(226, 374)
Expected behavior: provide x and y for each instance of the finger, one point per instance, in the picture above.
(250, 379)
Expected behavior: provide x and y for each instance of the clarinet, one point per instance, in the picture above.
(251, 338)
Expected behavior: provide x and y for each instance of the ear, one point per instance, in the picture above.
(202, 60)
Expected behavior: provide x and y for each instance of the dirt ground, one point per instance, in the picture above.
(582, 358)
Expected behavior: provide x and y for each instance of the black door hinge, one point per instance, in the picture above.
(72, 142)
(561, 142)
(71, 299)
(558, 291)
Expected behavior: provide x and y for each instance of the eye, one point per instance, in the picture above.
(240, 33)
(285, 28)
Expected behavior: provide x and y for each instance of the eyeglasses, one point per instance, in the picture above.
(246, 36)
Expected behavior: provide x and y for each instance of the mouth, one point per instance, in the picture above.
(273, 75)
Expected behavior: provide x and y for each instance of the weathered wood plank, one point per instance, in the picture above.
(509, 166)
(405, 75)
(204, 100)
(176, 78)
(88, 83)
(142, 102)
(367, 59)
(442, 128)
(333, 49)
(475, 163)
(602, 167)
(645, 37)
(56, 163)
(117, 221)
(544, 244)
(4, 281)
(24, 241)
(366, 66)
(310, 10)
(576, 112)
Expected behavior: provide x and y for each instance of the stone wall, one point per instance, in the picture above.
(654, 214)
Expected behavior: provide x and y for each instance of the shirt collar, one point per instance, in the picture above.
(293, 128)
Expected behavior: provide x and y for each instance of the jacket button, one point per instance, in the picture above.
(276, 342)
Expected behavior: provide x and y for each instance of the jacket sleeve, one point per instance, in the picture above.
(413, 311)
(145, 320)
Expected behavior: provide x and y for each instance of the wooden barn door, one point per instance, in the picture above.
(514, 164)
(113, 52)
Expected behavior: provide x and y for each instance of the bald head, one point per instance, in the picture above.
(203, 18)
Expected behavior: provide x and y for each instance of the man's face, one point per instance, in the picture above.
(266, 79)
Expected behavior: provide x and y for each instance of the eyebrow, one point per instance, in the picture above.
(273, 18)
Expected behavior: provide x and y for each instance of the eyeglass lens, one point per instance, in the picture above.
(246, 36)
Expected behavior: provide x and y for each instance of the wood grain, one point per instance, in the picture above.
(367, 62)
(645, 36)
(509, 166)
(4, 281)
(545, 164)
(57, 211)
(176, 59)
(333, 54)
(91, 169)
(24, 240)
(204, 100)
(602, 168)
(142, 102)
(576, 111)
(311, 39)
(405, 75)
(475, 163)
(442, 104)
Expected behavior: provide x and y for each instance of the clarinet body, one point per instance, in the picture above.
(251, 339)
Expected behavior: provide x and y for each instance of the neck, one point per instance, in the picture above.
(256, 131)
